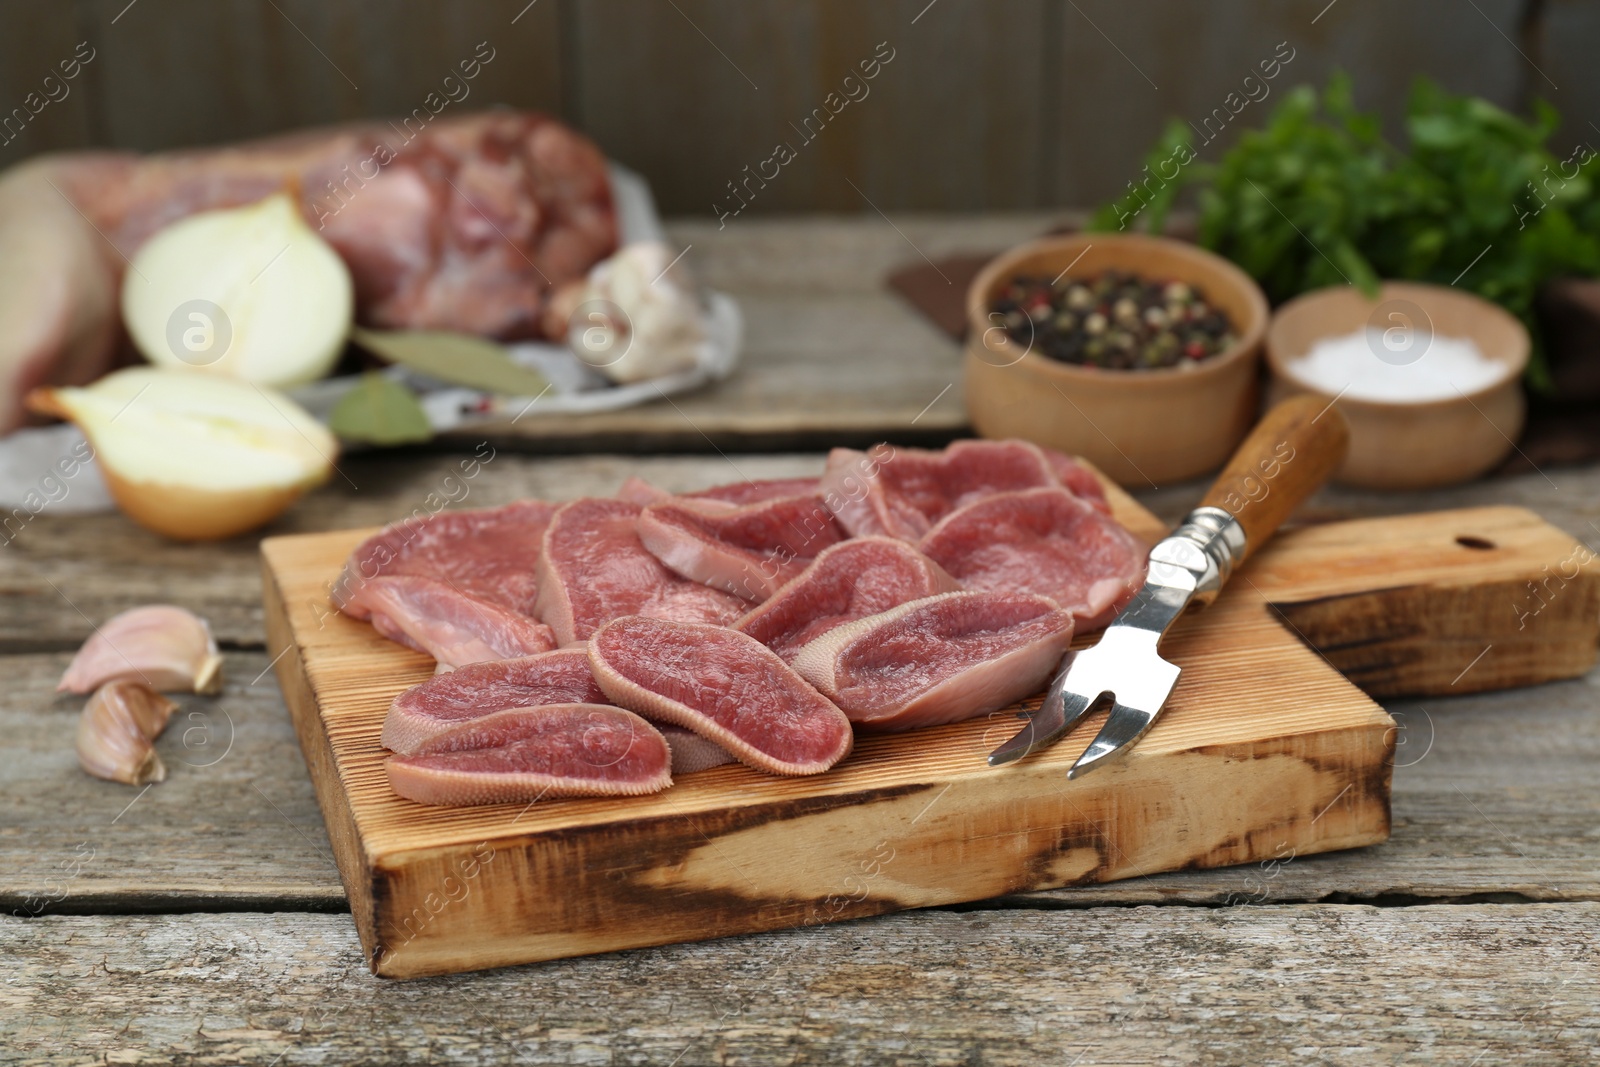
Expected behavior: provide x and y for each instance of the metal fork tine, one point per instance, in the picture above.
(1058, 713)
(1124, 726)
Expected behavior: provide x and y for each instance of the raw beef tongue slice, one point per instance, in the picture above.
(636, 490)
(489, 553)
(938, 660)
(642, 492)
(758, 490)
(480, 689)
(726, 687)
(593, 568)
(748, 550)
(455, 629)
(904, 492)
(522, 755)
(851, 580)
(1044, 541)
(1079, 479)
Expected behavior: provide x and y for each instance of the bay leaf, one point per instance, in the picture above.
(380, 411)
(454, 358)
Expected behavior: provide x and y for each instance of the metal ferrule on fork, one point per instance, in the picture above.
(1199, 555)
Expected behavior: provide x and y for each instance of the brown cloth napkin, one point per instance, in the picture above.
(939, 290)
(1556, 435)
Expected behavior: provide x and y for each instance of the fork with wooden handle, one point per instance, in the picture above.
(1285, 459)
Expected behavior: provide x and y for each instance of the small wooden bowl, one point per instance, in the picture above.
(1410, 444)
(1142, 427)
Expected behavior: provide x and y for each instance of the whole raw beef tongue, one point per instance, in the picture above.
(455, 629)
(593, 568)
(480, 689)
(748, 550)
(1044, 541)
(860, 577)
(943, 659)
(519, 756)
(724, 686)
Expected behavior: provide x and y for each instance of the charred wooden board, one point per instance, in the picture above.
(1266, 750)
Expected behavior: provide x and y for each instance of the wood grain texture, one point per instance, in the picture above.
(1015, 105)
(1169, 986)
(1257, 718)
(960, 100)
(1301, 757)
(1479, 812)
(1284, 460)
(270, 67)
(1125, 70)
(35, 115)
(1527, 831)
(1562, 58)
(235, 823)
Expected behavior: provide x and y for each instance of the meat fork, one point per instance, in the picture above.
(1285, 459)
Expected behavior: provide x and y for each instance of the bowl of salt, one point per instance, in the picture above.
(1429, 378)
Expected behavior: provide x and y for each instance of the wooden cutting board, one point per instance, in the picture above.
(1265, 751)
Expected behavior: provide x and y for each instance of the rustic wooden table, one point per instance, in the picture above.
(201, 920)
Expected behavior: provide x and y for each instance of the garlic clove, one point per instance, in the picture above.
(161, 646)
(640, 316)
(116, 731)
(250, 292)
(195, 456)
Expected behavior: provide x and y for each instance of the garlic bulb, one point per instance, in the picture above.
(165, 647)
(116, 729)
(251, 292)
(639, 316)
(195, 456)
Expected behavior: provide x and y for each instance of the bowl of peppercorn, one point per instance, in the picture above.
(1141, 354)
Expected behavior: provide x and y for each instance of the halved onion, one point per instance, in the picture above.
(195, 456)
(250, 292)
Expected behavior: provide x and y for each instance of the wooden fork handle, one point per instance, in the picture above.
(1286, 458)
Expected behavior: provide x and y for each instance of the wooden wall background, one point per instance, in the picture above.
(986, 105)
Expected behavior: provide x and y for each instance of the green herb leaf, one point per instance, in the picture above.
(1318, 197)
(380, 411)
(455, 358)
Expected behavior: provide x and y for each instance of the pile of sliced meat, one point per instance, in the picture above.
(602, 646)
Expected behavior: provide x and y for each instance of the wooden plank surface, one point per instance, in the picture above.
(234, 825)
(984, 107)
(1480, 811)
(63, 575)
(1505, 984)
(38, 38)
(188, 72)
(1127, 69)
(1263, 750)
(1007, 105)
(961, 100)
(1526, 833)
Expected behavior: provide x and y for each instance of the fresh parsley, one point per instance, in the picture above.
(1318, 197)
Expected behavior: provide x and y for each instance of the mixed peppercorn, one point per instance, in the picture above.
(1116, 320)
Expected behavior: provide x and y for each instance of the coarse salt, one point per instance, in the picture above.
(1350, 365)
